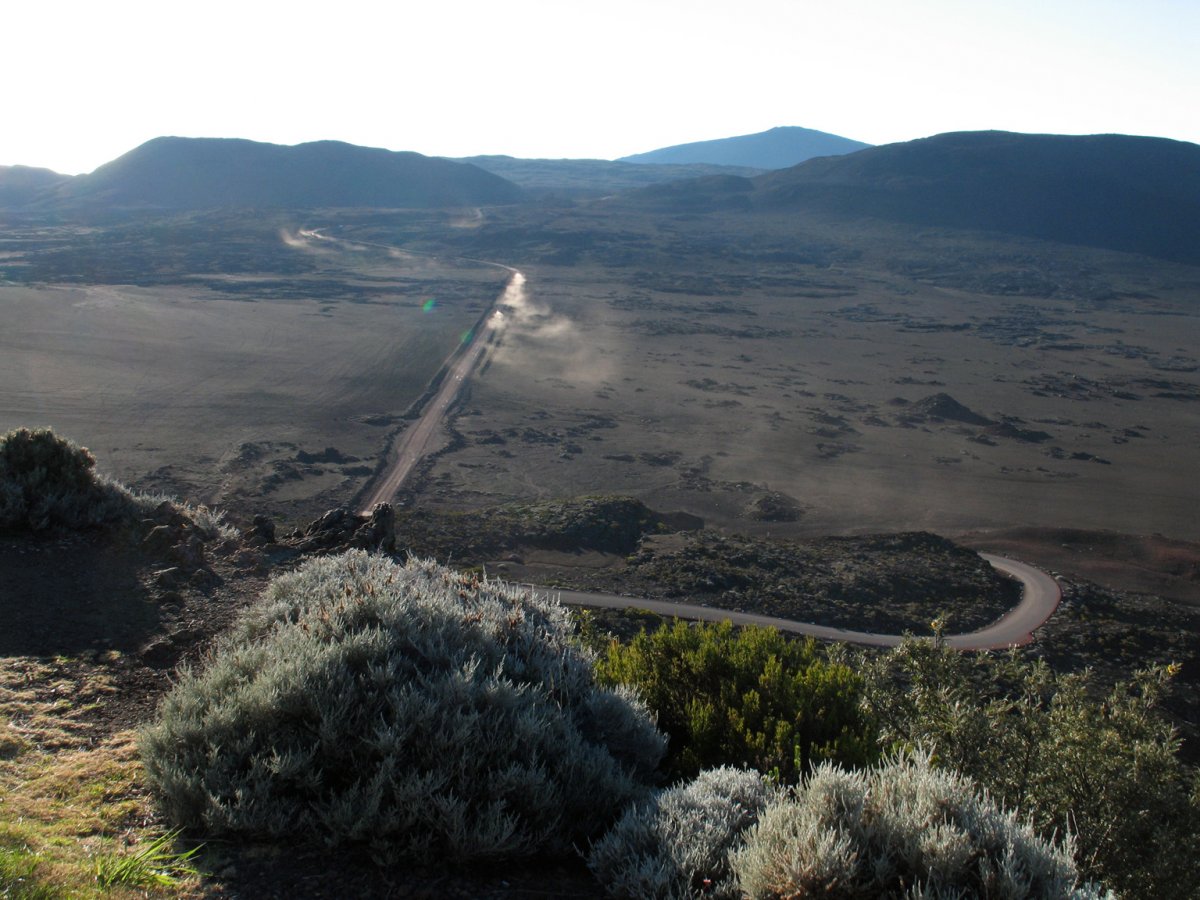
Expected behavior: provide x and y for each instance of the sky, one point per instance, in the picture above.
(88, 81)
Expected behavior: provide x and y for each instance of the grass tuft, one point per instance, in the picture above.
(156, 864)
(19, 877)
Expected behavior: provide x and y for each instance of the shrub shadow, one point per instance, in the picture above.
(68, 594)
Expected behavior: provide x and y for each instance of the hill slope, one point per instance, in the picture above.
(20, 185)
(200, 173)
(777, 148)
(593, 177)
(1119, 192)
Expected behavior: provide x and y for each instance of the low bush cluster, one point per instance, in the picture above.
(428, 714)
(46, 481)
(903, 829)
(435, 716)
(750, 697)
(677, 845)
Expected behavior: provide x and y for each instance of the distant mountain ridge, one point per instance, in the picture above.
(1118, 192)
(777, 148)
(593, 177)
(204, 173)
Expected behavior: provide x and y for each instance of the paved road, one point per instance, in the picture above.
(1040, 596)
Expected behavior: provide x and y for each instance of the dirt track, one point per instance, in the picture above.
(1039, 598)
(416, 441)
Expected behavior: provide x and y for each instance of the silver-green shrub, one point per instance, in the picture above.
(676, 846)
(46, 480)
(903, 829)
(426, 713)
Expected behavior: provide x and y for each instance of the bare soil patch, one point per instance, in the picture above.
(230, 386)
(1149, 564)
(881, 378)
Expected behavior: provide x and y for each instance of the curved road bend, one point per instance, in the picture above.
(1040, 596)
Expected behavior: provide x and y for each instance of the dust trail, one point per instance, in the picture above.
(535, 331)
(558, 345)
(306, 242)
(419, 438)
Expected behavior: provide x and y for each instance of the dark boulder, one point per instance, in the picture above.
(342, 529)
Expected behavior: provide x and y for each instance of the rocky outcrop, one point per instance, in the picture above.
(942, 406)
(172, 536)
(342, 529)
(774, 506)
(260, 532)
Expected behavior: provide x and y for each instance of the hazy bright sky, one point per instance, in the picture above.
(85, 82)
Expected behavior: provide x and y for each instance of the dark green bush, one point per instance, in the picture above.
(46, 480)
(1104, 768)
(427, 713)
(743, 698)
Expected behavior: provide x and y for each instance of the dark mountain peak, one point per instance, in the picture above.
(199, 173)
(777, 148)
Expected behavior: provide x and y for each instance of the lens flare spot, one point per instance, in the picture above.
(428, 305)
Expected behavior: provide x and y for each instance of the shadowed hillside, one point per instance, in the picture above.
(777, 148)
(1119, 192)
(200, 173)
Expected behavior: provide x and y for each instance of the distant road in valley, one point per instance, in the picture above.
(1040, 596)
(418, 439)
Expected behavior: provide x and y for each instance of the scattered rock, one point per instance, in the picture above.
(167, 513)
(189, 553)
(161, 538)
(261, 531)
(168, 578)
(774, 506)
(160, 653)
(1025, 435)
(328, 455)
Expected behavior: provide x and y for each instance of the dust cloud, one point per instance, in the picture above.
(531, 336)
(305, 241)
